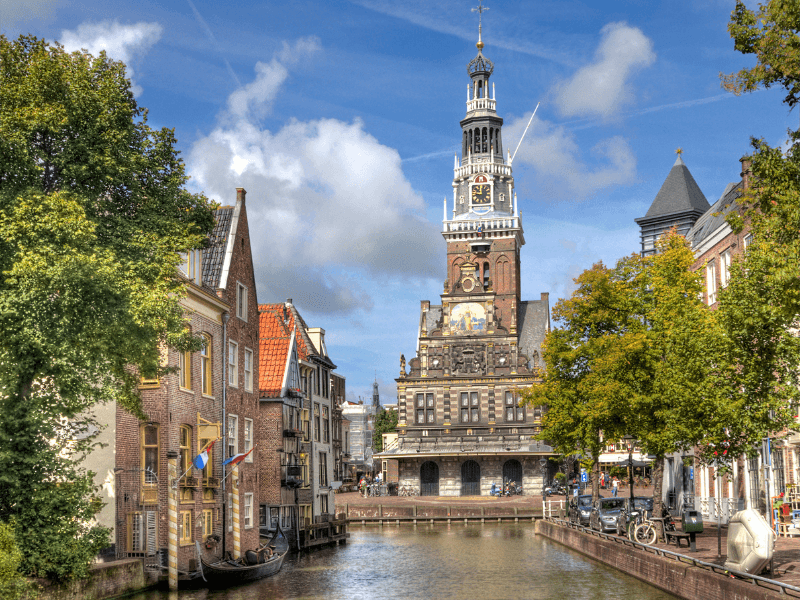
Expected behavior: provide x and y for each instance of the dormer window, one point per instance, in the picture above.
(192, 265)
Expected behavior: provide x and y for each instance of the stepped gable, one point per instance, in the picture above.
(214, 254)
(679, 193)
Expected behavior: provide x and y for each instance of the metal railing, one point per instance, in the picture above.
(756, 580)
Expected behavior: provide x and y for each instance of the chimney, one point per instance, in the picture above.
(240, 194)
(747, 172)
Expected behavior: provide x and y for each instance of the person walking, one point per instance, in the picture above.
(614, 487)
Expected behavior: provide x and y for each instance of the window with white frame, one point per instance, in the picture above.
(233, 364)
(725, 268)
(233, 435)
(711, 283)
(192, 265)
(248, 511)
(748, 239)
(248, 439)
(241, 302)
(248, 370)
(230, 512)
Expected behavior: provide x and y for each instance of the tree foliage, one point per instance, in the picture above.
(93, 216)
(771, 34)
(385, 422)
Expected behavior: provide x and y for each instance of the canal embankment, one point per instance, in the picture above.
(105, 580)
(672, 572)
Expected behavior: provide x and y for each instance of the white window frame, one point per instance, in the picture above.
(725, 268)
(248, 370)
(711, 282)
(233, 363)
(233, 435)
(248, 439)
(230, 512)
(248, 510)
(241, 301)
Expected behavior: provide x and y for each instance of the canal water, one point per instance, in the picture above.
(503, 561)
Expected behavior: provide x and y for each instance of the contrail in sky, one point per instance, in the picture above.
(210, 34)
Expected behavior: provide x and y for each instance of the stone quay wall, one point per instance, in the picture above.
(681, 579)
(105, 580)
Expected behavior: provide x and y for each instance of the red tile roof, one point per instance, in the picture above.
(275, 325)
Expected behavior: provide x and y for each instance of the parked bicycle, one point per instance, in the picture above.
(647, 532)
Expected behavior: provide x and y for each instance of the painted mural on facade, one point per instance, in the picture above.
(468, 317)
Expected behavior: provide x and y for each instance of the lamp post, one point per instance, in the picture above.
(543, 464)
(629, 439)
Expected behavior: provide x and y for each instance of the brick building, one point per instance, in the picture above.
(305, 461)
(186, 411)
(460, 426)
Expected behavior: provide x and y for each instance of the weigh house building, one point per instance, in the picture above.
(460, 426)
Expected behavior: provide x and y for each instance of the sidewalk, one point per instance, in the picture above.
(786, 557)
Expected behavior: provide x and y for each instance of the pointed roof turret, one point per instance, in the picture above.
(679, 204)
(679, 193)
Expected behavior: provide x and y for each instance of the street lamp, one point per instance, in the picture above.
(543, 464)
(629, 439)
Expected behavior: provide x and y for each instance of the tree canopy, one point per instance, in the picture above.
(385, 422)
(93, 217)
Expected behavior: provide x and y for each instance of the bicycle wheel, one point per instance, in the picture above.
(631, 531)
(645, 534)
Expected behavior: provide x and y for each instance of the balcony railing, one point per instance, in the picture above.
(211, 482)
(188, 482)
(481, 104)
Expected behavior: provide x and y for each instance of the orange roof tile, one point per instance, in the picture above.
(275, 325)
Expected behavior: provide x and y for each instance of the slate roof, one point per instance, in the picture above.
(432, 318)
(715, 216)
(679, 193)
(214, 254)
(533, 324)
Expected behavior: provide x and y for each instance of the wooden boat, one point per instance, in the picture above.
(265, 561)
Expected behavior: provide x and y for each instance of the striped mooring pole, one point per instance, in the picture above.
(172, 510)
(237, 534)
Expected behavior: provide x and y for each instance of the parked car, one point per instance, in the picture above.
(605, 513)
(631, 514)
(580, 509)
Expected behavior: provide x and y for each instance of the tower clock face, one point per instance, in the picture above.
(480, 193)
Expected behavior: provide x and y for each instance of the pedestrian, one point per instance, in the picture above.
(614, 486)
(602, 480)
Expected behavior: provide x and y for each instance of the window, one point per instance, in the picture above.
(248, 511)
(206, 366)
(248, 370)
(186, 448)
(513, 412)
(306, 426)
(326, 426)
(230, 512)
(191, 265)
(185, 530)
(323, 469)
(426, 408)
(323, 504)
(316, 422)
(185, 370)
(748, 239)
(203, 443)
(306, 471)
(711, 282)
(725, 268)
(241, 302)
(149, 441)
(470, 407)
(208, 522)
(248, 439)
(233, 435)
(486, 275)
(233, 364)
(142, 532)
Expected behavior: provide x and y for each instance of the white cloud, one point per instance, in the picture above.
(555, 155)
(329, 206)
(603, 87)
(121, 42)
(255, 99)
(19, 11)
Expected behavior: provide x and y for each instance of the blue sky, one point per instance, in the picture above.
(341, 121)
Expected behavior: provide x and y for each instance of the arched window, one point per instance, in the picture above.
(485, 140)
(480, 89)
(429, 479)
(486, 277)
(149, 457)
(186, 448)
(477, 141)
(206, 366)
(456, 270)
(470, 478)
(501, 282)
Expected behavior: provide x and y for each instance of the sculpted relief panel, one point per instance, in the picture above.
(468, 359)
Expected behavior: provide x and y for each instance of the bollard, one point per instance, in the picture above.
(172, 541)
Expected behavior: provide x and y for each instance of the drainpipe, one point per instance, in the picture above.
(225, 317)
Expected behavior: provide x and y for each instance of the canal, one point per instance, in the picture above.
(456, 562)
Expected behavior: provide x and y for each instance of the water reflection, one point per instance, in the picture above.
(497, 561)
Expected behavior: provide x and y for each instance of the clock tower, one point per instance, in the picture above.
(460, 424)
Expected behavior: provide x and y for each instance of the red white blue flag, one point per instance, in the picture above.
(201, 460)
(237, 458)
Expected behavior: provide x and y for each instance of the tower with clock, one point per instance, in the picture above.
(460, 423)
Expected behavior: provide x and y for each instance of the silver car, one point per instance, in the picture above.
(605, 513)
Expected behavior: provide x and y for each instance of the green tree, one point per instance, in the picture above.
(759, 308)
(385, 422)
(771, 34)
(93, 216)
(584, 402)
